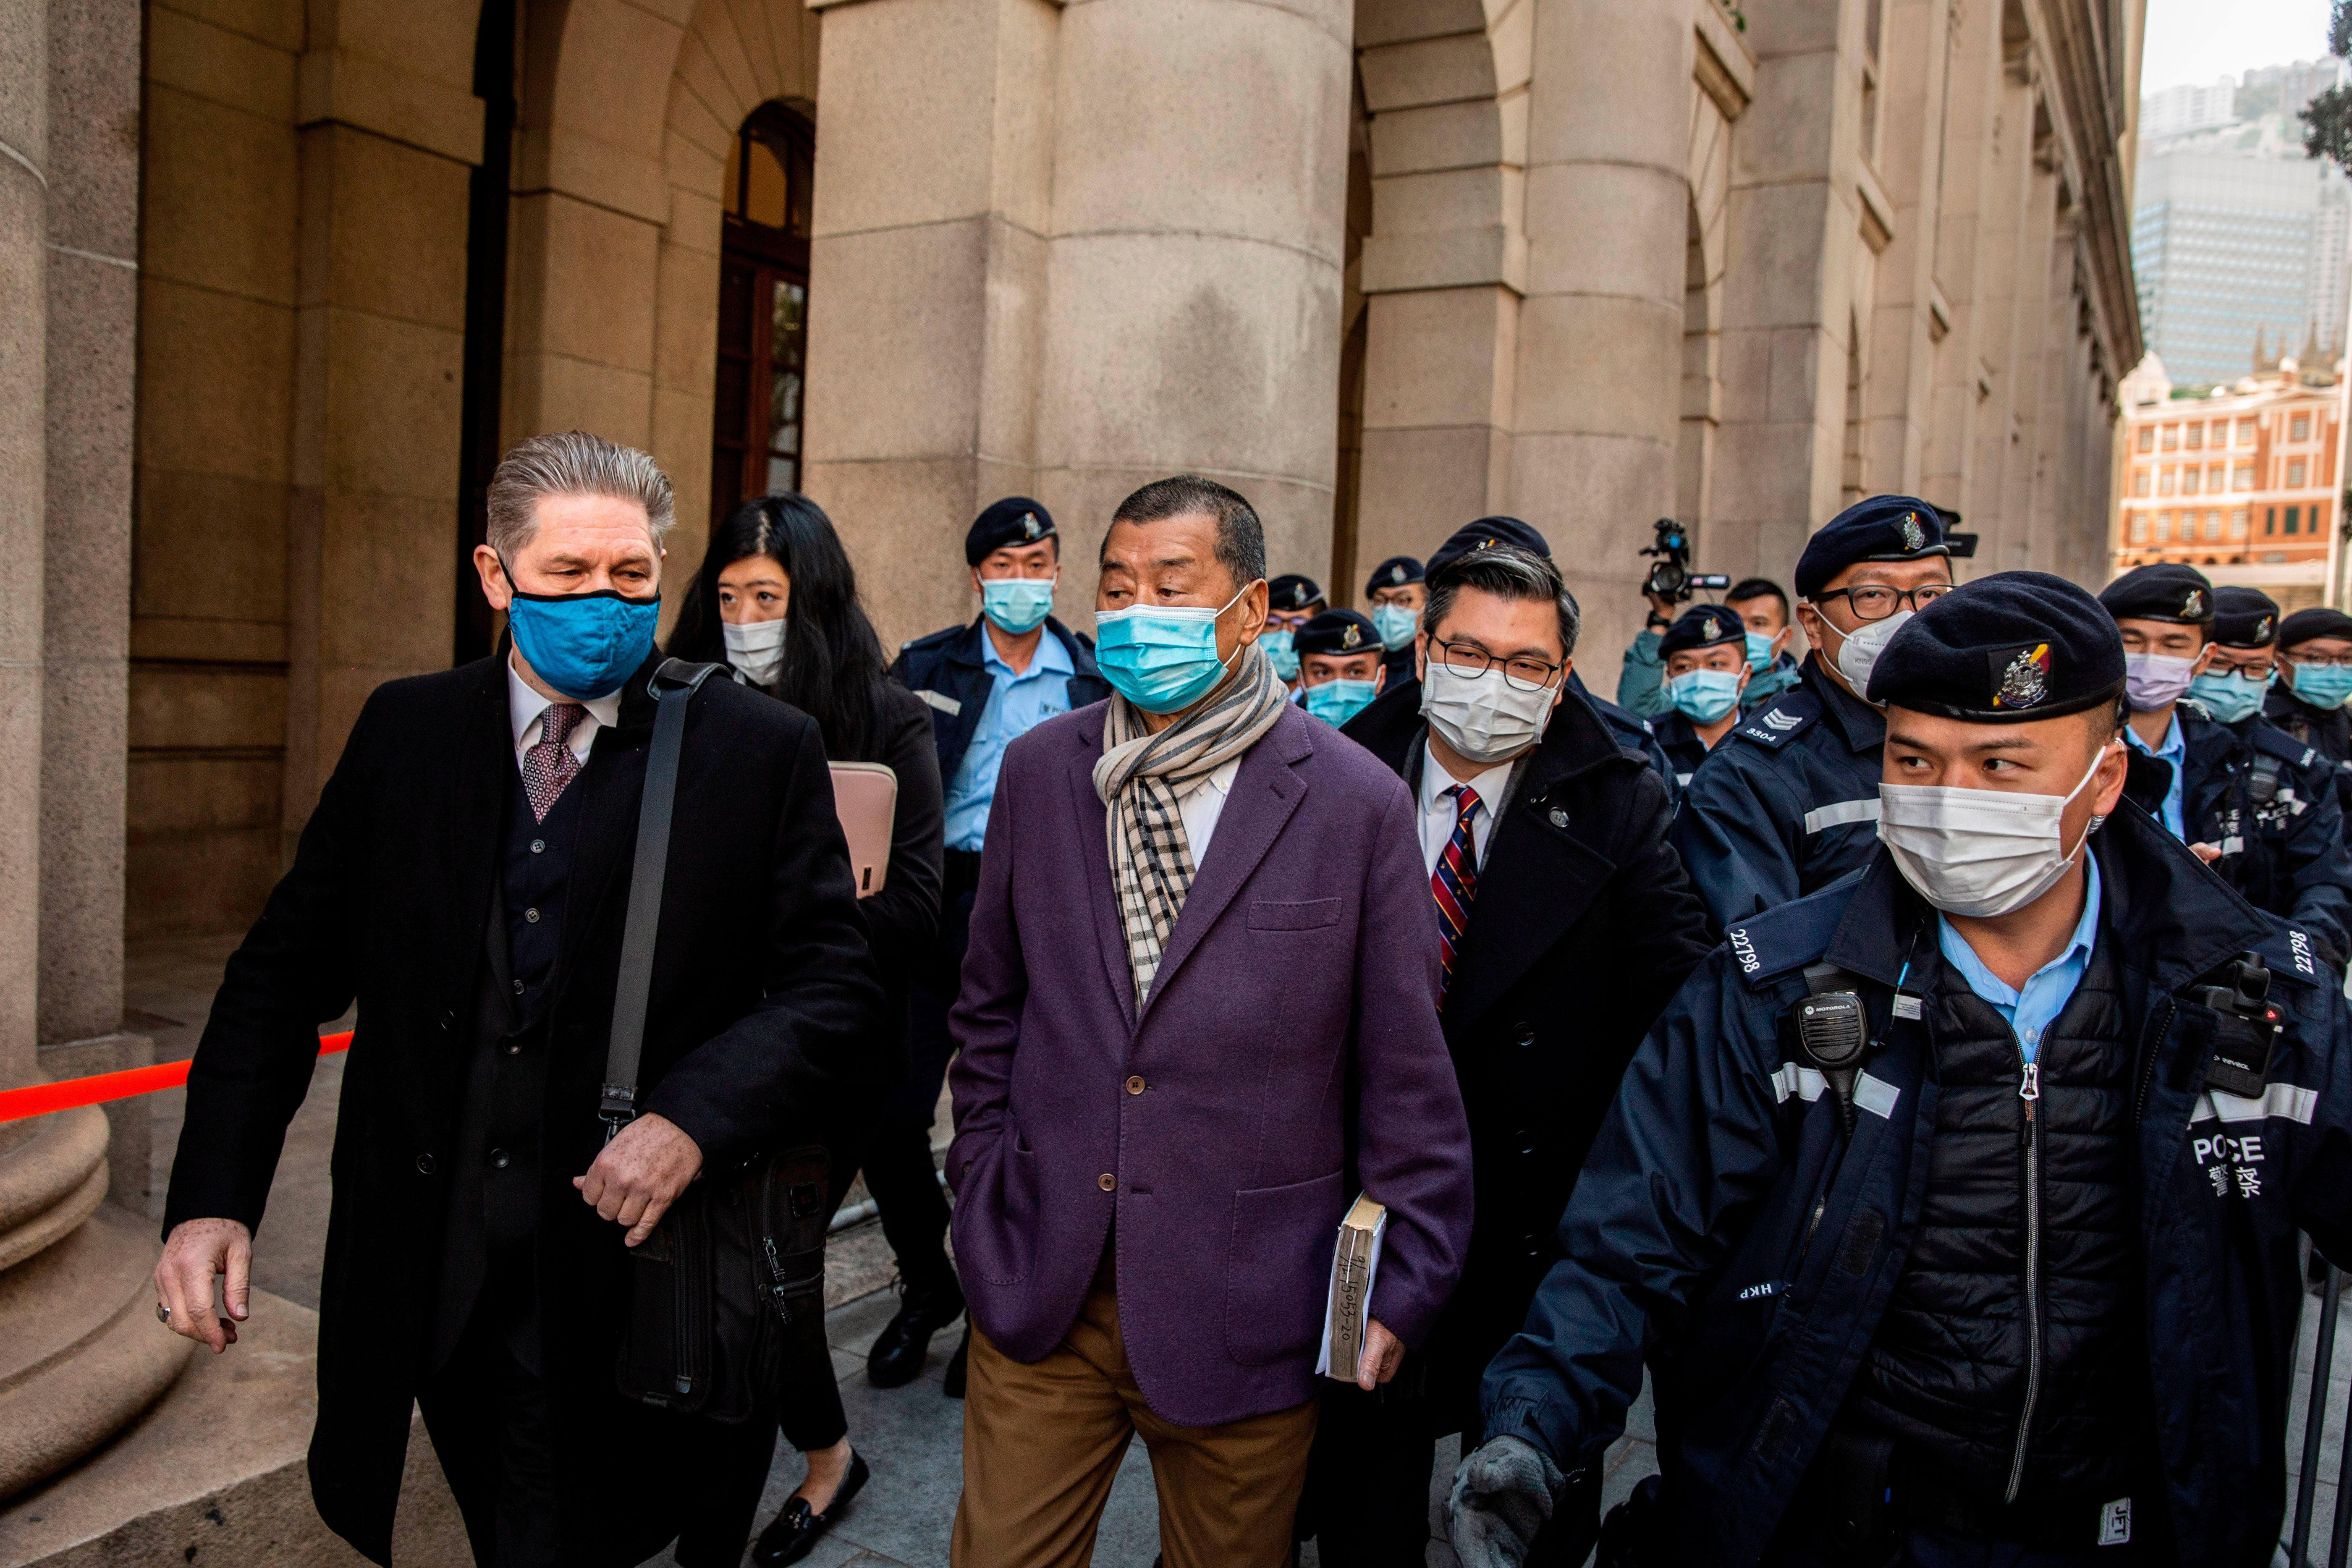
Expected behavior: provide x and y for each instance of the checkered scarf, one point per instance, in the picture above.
(1141, 777)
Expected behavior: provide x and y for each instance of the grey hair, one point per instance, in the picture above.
(1241, 538)
(572, 463)
(1510, 573)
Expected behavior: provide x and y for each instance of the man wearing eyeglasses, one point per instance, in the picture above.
(1789, 801)
(2315, 681)
(1565, 925)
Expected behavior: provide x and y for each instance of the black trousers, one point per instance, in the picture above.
(485, 1411)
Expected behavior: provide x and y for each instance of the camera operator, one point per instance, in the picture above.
(1762, 608)
(1788, 802)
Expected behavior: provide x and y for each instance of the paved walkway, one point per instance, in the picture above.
(912, 1436)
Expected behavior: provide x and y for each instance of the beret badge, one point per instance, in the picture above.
(1914, 536)
(2262, 629)
(1396, 572)
(1029, 529)
(2025, 682)
(2193, 607)
(1352, 635)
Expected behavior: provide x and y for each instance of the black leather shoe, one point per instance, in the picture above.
(952, 1384)
(897, 1358)
(794, 1534)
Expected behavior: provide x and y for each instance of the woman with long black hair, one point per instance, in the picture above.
(777, 598)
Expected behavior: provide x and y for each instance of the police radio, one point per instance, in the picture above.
(1670, 577)
(1833, 1034)
(2248, 1030)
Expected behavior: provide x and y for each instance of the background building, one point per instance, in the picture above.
(1384, 265)
(2240, 482)
(2179, 110)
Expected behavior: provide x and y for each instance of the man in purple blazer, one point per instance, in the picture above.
(1199, 1014)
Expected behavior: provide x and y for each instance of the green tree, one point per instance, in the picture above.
(2327, 119)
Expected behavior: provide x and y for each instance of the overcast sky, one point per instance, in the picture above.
(2199, 40)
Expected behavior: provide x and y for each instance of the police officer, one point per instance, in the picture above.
(2315, 664)
(1705, 656)
(1396, 591)
(1788, 802)
(987, 684)
(1954, 1206)
(1403, 691)
(1760, 603)
(1292, 601)
(1340, 665)
(2250, 800)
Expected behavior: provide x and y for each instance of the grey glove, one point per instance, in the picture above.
(1503, 1494)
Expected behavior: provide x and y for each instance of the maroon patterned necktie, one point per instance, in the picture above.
(549, 766)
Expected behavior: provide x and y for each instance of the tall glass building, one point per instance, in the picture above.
(2230, 251)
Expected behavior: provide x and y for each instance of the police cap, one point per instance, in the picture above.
(2316, 622)
(1294, 591)
(1485, 535)
(1393, 573)
(1702, 626)
(2162, 591)
(2013, 646)
(1015, 520)
(1883, 528)
(1337, 631)
(2244, 617)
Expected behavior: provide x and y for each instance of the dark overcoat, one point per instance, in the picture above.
(762, 992)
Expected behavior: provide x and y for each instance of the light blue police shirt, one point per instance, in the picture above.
(2175, 750)
(1017, 703)
(2047, 989)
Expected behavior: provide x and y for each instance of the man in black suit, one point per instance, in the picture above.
(1565, 924)
(465, 877)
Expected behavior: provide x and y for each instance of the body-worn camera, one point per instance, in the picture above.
(1670, 576)
(2247, 1029)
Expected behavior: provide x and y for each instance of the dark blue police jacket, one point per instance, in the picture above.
(1786, 803)
(1693, 1238)
(948, 671)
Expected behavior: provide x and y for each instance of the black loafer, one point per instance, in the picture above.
(952, 1384)
(794, 1534)
(897, 1358)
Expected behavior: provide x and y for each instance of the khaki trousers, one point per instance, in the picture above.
(1042, 1443)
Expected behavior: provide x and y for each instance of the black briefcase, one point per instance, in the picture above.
(741, 1253)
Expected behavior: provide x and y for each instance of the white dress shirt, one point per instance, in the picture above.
(526, 708)
(1438, 808)
(1204, 806)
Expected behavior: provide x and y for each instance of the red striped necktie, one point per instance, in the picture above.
(1454, 883)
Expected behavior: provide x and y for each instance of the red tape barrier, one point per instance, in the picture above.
(41, 1099)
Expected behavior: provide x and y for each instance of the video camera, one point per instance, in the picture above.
(1670, 577)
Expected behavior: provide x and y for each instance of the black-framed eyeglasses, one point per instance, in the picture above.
(2317, 660)
(1468, 658)
(1877, 601)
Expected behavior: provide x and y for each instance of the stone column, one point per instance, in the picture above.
(24, 232)
(1598, 412)
(1200, 163)
(927, 285)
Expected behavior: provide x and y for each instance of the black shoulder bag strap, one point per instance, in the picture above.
(619, 1106)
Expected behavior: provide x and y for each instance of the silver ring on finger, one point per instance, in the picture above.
(162, 1313)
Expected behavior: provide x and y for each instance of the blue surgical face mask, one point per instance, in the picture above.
(1280, 648)
(583, 644)
(1337, 702)
(1702, 696)
(2231, 698)
(1760, 652)
(1161, 657)
(1396, 623)
(1017, 604)
(2321, 685)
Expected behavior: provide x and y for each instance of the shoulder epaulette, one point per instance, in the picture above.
(2270, 737)
(1781, 721)
(2293, 953)
(932, 639)
(1787, 937)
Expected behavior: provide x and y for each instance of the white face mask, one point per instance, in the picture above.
(757, 648)
(1978, 852)
(2154, 680)
(1484, 717)
(1858, 653)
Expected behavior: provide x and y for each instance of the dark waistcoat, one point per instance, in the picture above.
(2015, 1325)
(496, 1182)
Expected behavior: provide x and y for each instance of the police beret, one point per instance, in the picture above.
(1293, 591)
(1702, 626)
(2244, 617)
(1015, 520)
(1883, 528)
(2316, 622)
(1483, 534)
(1337, 631)
(1393, 573)
(2016, 645)
(2164, 591)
